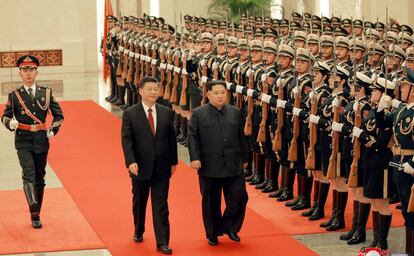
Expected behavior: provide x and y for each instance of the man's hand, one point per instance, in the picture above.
(133, 168)
(244, 165)
(173, 167)
(408, 168)
(50, 134)
(13, 124)
(195, 164)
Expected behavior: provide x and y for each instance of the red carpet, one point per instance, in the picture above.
(64, 226)
(88, 159)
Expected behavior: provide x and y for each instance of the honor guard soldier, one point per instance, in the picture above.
(375, 57)
(25, 114)
(313, 46)
(327, 47)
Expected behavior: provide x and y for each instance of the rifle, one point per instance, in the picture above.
(183, 98)
(204, 85)
(293, 148)
(162, 71)
(277, 140)
(119, 68)
(248, 129)
(261, 137)
(167, 92)
(125, 61)
(335, 155)
(154, 58)
(310, 162)
(176, 78)
(130, 72)
(353, 173)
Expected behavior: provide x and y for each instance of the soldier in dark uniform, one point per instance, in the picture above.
(327, 43)
(25, 114)
(375, 58)
(377, 155)
(402, 122)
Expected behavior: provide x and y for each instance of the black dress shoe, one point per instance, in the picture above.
(277, 193)
(164, 249)
(233, 236)
(213, 241)
(138, 238)
(286, 196)
(37, 224)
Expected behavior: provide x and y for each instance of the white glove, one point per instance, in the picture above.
(204, 79)
(281, 103)
(385, 102)
(170, 67)
(50, 134)
(162, 66)
(248, 72)
(296, 111)
(265, 97)
(177, 69)
(337, 127)
(184, 71)
(356, 132)
(250, 92)
(238, 69)
(355, 106)
(154, 62)
(295, 90)
(395, 103)
(202, 62)
(228, 85)
(335, 102)
(314, 119)
(264, 77)
(408, 168)
(13, 124)
(311, 95)
(214, 66)
(190, 54)
(239, 88)
(131, 54)
(154, 47)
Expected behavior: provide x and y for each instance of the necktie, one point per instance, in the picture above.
(151, 121)
(31, 95)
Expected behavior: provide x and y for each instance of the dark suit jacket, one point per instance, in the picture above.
(152, 153)
(216, 138)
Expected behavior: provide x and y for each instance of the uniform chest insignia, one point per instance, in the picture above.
(22, 112)
(43, 99)
(370, 125)
(408, 119)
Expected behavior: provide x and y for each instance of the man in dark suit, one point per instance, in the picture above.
(218, 150)
(25, 114)
(150, 150)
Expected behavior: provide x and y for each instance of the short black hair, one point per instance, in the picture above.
(148, 79)
(212, 83)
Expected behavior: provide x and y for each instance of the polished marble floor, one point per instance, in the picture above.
(90, 86)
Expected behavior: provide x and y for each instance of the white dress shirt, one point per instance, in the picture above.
(154, 114)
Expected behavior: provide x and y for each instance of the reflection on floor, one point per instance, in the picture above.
(90, 86)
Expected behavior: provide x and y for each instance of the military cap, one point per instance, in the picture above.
(410, 53)
(111, 18)
(215, 24)
(259, 32)
(359, 44)
(306, 26)
(170, 29)
(407, 29)
(325, 20)
(232, 26)
(243, 44)
(286, 51)
(220, 38)
(270, 47)
(391, 36)
(124, 19)
(322, 66)
(405, 38)
(303, 54)
(202, 21)
(335, 21)
(379, 83)
(347, 22)
(368, 24)
(271, 32)
(379, 26)
(240, 28)
(307, 16)
(372, 33)
(27, 61)
(395, 28)
(195, 19)
(399, 53)
(177, 36)
(275, 22)
(328, 29)
(251, 18)
(300, 36)
(258, 20)
(249, 29)
(223, 24)
(342, 41)
(154, 25)
(364, 81)
(340, 71)
(232, 41)
(326, 40)
(376, 48)
(313, 39)
(410, 76)
(256, 45)
(340, 31)
(284, 23)
(294, 25)
(130, 19)
(206, 37)
(316, 27)
(267, 20)
(358, 23)
(243, 16)
(296, 15)
(316, 19)
(187, 18)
